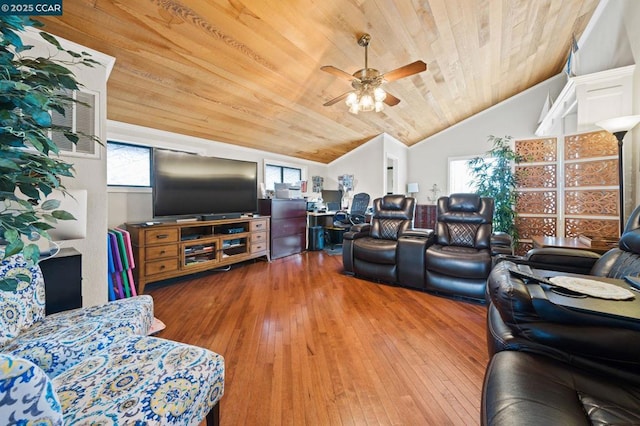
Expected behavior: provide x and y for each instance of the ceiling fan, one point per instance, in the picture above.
(368, 94)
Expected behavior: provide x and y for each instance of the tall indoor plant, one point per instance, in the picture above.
(30, 88)
(493, 175)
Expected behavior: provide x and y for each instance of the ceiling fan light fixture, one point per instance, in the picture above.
(366, 82)
(367, 102)
(366, 99)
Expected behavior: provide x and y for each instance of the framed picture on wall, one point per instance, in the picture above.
(345, 182)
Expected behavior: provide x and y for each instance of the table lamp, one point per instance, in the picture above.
(412, 188)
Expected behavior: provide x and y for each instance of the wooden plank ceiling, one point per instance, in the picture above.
(247, 72)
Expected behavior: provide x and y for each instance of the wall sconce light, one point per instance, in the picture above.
(619, 127)
(413, 189)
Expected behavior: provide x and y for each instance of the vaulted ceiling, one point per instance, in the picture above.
(247, 72)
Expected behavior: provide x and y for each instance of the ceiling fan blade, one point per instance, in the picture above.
(336, 100)
(338, 72)
(391, 100)
(405, 71)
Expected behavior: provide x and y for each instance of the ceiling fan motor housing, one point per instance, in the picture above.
(366, 76)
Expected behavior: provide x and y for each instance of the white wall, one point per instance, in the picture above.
(134, 205)
(393, 148)
(516, 117)
(366, 163)
(90, 174)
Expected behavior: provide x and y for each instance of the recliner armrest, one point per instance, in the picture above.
(501, 243)
(561, 259)
(418, 232)
(357, 231)
(411, 256)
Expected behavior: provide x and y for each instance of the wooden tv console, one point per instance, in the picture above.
(168, 250)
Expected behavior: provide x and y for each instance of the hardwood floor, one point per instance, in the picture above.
(305, 344)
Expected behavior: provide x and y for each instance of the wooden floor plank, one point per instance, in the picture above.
(305, 344)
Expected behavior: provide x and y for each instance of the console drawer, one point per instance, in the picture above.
(160, 266)
(258, 225)
(159, 252)
(257, 237)
(161, 236)
(258, 247)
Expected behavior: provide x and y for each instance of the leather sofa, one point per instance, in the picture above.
(454, 259)
(510, 302)
(528, 389)
(520, 318)
(372, 249)
(552, 365)
(459, 260)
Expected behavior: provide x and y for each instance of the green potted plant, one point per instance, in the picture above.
(493, 175)
(30, 88)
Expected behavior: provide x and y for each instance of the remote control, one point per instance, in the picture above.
(633, 281)
(530, 277)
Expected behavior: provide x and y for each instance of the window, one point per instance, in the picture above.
(128, 165)
(281, 174)
(460, 176)
(79, 117)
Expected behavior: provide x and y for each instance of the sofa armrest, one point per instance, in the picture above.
(501, 243)
(410, 257)
(357, 231)
(419, 232)
(562, 260)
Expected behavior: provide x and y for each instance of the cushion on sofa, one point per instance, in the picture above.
(460, 262)
(143, 380)
(376, 250)
(527, 389)
(25, 306)
(63, 339)
(27, 396)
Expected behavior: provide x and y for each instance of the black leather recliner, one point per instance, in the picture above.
(524, 388)
(371, 249)
(459, 261)
(552, 365)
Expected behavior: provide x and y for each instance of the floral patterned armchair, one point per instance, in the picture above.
(92, 364)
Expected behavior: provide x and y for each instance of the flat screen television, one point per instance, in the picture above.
(187, 184)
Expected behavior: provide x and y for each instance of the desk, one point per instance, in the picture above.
(320, 218)
(564, 242)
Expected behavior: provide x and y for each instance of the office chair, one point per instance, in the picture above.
(359, 204)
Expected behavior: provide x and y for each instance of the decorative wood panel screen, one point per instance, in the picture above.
(591, 185)
(569, 188)
(537, 204)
